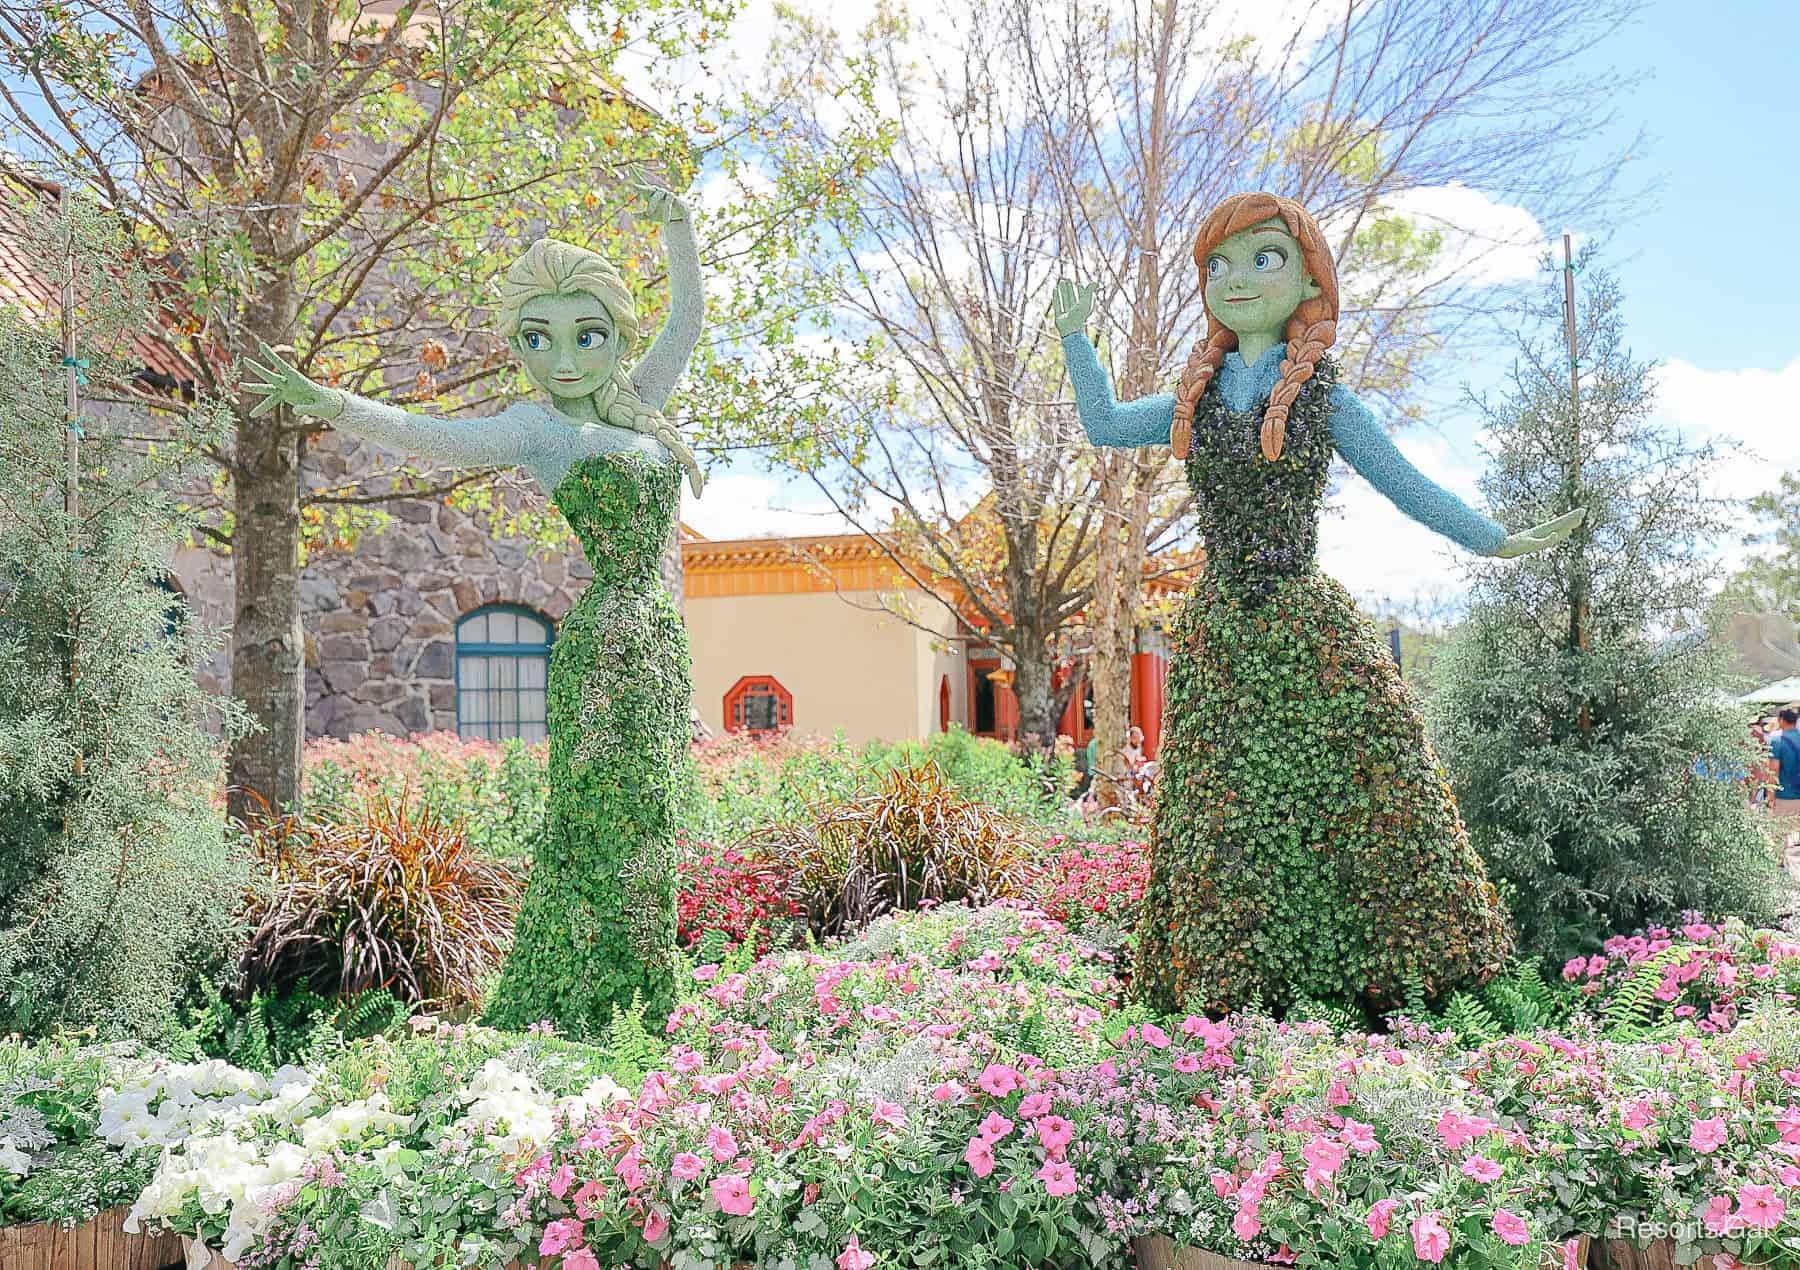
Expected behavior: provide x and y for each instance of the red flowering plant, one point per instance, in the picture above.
(1701, 972)
(727, 891)
(1319, 1151)
(1095, 883)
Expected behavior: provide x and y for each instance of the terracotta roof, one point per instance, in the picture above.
(729, 553)
(27, 285)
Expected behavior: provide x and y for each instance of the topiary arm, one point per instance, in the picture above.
(500, 440)
(655, 375)
(1366, 447)
(1106, 420)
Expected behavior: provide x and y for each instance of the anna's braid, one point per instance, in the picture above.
(1307, 342)
(1202, 364)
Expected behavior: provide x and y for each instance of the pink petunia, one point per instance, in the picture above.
(1482, 1169)
(1431, 1242)
(687, 1166)
(1055, 1133)
(562, 1180)
(1718, 1217)
(560, 1236)
(998, 1079)
(1380, 1217)
(1058, 1178)
(1360, 1137)
(890, 1113)
(854, 1258)
(1187, 1063)
(733, 1194)
(585, 1206)
(1638, 1115)
(1708, 1136)
(1759, 1207)
(994, 1127)
(581, 1259)
(1155, 1037)
(1245, 1225)
(655, 1226)
(1031, 1106)
(979, 1156)
(1511, 1228)
(1788, 1124)
(722, 1145)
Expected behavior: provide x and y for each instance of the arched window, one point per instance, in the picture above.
(502, 661)
(758, 703)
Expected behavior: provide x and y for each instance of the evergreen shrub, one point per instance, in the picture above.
(117, 886)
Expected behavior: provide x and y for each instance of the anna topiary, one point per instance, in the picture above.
(1305, 843)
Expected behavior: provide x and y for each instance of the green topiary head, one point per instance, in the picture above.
(570, 318)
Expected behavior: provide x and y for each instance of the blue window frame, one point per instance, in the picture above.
(502, 664)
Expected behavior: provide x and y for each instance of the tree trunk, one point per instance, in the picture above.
(1128, 477)
(267, 643)
(1032, 684)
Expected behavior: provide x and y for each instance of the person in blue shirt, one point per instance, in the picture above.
(1784, 751)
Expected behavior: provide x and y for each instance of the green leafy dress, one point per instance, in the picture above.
(598, 922)
(1305, 844)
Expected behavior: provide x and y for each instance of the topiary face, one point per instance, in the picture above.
(1255, 280)
(569, 344)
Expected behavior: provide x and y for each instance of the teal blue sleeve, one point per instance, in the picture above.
(1128, 424)
(1366, 447)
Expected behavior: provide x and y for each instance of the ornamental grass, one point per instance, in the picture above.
(398, 900)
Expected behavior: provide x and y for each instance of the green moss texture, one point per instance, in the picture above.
(598, 920)
(1306, 843)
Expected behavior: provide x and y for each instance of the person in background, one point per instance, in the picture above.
(1785, 751)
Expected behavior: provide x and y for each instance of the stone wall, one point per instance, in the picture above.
(380, 621)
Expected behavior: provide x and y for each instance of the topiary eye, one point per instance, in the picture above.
(1270, 258)
(536, 340)
(1216, 266)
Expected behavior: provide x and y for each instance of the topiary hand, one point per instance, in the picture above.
(1071, 305)
(665, 207)
(1548, 534)
(281, 384)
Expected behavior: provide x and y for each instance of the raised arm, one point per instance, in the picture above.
(498, 441)
(1106, 420)
(656, 373)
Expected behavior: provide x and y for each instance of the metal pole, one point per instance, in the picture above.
(72, 374)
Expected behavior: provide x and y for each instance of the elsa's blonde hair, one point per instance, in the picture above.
(550, 268)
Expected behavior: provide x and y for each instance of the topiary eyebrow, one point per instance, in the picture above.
(545, 322)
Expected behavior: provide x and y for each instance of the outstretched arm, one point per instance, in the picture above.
(499, 441)
(655, 374)
(1105, 419)
(1365, 446)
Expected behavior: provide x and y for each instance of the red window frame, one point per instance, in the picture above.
(756, 686)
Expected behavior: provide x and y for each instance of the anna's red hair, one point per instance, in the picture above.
(1310, 331)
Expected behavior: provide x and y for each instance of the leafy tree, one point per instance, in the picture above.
(347, 179)
(115, 880)
(1770, 581)
(1590, 741)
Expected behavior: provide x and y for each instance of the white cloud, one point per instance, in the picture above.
(1485, 243)
(750, 505)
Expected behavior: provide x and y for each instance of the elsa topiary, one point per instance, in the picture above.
(1305, 843)
(598, 921)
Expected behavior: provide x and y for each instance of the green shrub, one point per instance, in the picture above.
(116, 881)
(401, 902)
(913, 841)
(745, 785)
(495, 792)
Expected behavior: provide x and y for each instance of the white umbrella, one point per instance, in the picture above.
(1781, 692)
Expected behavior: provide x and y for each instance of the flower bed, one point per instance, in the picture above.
(970, 1083)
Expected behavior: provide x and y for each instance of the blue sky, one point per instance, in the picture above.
(1710, 266)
